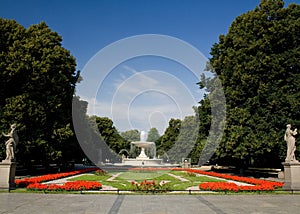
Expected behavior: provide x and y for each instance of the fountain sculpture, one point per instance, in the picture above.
(142, 159)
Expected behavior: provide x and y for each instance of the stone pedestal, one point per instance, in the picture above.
(291, 176)
(142, 155)
(7, 174)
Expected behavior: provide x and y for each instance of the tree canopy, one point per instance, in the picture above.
(38, 77)
(131, 135)
(153, 135)
(110, 134)
(258, 64)
(169, 138)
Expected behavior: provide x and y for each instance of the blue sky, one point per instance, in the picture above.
(141, 92)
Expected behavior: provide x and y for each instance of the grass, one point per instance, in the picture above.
(179, 185)
(194, 177)
(121, 185)
(123, 181)
(141, 176)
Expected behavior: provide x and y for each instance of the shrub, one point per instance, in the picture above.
(150, 186)
(101, 172)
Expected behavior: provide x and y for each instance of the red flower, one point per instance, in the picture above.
(259, 185)
(26, 181)
(68, 186)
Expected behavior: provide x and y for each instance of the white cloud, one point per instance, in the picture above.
(142, 117)
(144, 99)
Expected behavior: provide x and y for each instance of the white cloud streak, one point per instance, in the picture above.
(137, 98)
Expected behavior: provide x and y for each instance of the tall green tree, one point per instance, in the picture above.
(204, 116)
(110, 134)
(185, 140)
(88, 134)
(168, 139)
(258, 64)
(38, 78)
(153, 135)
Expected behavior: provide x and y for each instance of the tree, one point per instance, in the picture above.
(88, 134)
(258, 64)
(169, 138)
(131, 135)
(204, 116)
(153, 135)
(38, 78)
(110, 134)
(186, 139)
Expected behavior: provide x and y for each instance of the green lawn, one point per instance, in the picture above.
(141, 176)
(193, 177)
(123, 181)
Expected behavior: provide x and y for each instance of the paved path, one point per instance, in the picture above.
(19, 203)
(114, 176)
(178, 177)
(222, 179)
(63, 180)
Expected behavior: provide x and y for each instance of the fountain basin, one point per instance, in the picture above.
(142, 162)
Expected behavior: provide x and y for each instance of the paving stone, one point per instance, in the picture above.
(20, 203)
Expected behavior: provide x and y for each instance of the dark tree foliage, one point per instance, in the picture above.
(204, 114)
(110, 134)
(37, 81)
(258, 63)
(169, 138)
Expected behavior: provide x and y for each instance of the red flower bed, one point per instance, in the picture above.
(232, 187)
(259, 185)
(26, 181)
(219, 186)
(68, 186)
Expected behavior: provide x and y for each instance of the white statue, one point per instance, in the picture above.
(11, 143)
(291, 144)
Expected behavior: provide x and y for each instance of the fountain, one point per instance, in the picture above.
(142, 159)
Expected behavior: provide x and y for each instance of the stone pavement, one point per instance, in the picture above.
(33, 203)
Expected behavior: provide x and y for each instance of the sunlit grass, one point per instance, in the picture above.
(141, 176)
(194, 177)
(124, 179)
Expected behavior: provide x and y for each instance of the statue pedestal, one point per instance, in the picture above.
(291, 175)
(7, 175)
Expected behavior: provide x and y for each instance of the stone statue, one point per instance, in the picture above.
(291, 144)
(11, 143)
